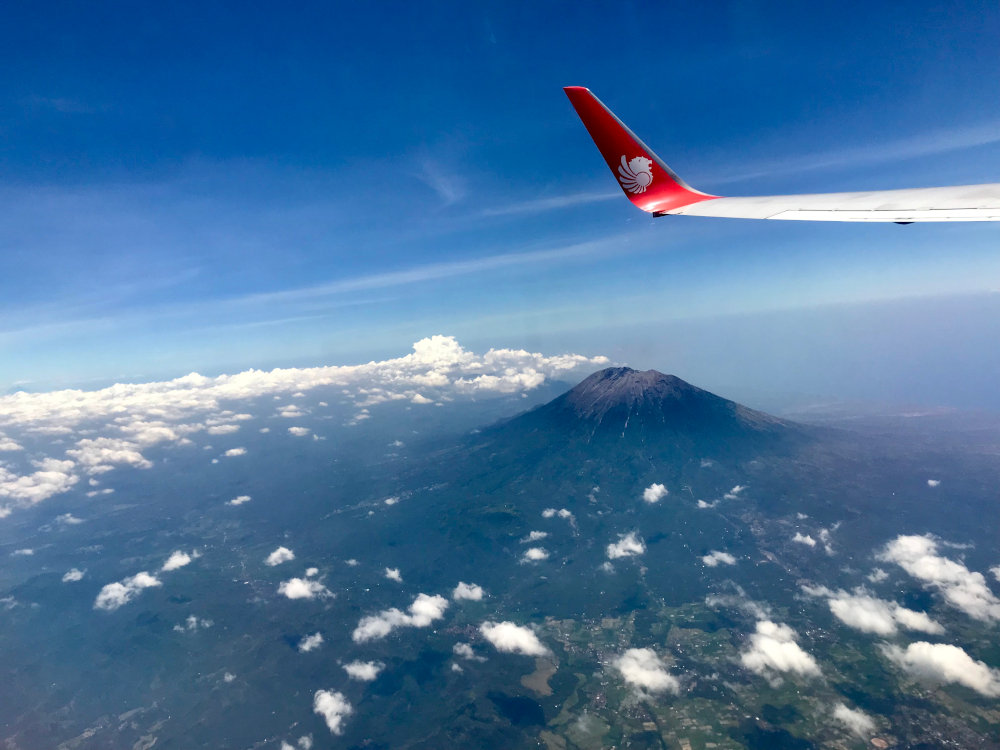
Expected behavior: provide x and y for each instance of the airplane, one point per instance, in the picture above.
(655, 188)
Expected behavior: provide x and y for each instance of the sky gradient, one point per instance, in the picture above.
(211, 189)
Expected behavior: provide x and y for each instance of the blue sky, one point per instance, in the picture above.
(189, 188)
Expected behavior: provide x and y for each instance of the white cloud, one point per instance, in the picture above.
(23, 552)
(643, 669)
(933, 482)
(366, 671)
(734, 492)
(280, 555)
(239, 500)
(310, 572)
(73, 574)
(393, 574)
(102, 454)
(561, 513)
(391, 500)
(855, 720)
(466, 652)
(333, 707)
(772, 649)
(51, 478)
(115, 595)
(467, 591)
(192, 624)
(941, 662)
(224, 429)
(6, 444)
(421, 400)
(228, 677)
(310, 643)
(869, 614)
(235, 452)
(534, 536)
(299, 431)
(513, 639)
(176, 560)
(654, 493)
(702, 504)
(715, 557)
(302, 588)
(877, 575)
(534, 554)
(68, 519)
(995, 570)
(138, 414)
(628, 545)
(961, 588)
(424, 610)
(804, 539)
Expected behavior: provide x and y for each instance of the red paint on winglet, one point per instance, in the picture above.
(644, 178)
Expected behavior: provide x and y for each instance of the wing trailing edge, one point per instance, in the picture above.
(655, 188)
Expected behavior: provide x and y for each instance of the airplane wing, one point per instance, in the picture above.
(655, 188)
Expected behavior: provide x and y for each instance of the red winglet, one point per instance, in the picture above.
(645, 179)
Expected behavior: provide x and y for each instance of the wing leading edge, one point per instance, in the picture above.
(652, 186)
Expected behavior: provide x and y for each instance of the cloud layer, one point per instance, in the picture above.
(129, 417)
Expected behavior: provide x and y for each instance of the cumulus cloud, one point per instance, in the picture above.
(863, 611)
(333, 707)
(177, 560)
(962, 588)
(944, 663)
(465, 651)
(628, 545)
(534, 536)
(654, 493)
(933, 482)
(772, 649)
(995, 570)
(734, 492)
(52, 477)
(424, 610)
(513, 639)
(299, 431)
(702, 504)
(73, 574)
(310, 643)
(140, 414)
(804, 539)
(239, 500)
(366, 671)
(235, 452)
(560, 512)
(192, 624)
(715, 558)
(393, 574)
(643, 669)
(877, 575)
(534, 554)
(115, 595)
(280, 555)
(467, 591)
(102, 454)
(302, 588)
(856, 720)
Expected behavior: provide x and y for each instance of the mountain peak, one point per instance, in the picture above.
(649, 408)
(616, 387)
